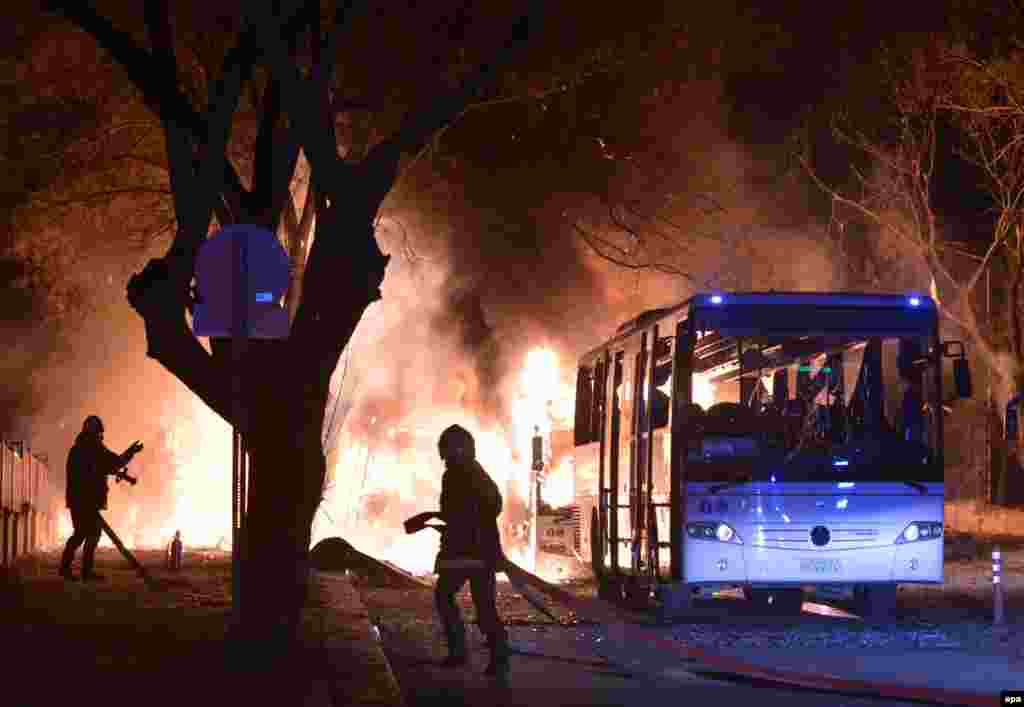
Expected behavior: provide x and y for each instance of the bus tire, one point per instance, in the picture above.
(776, 600)
(875, 602)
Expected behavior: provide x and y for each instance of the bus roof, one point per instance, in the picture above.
(751, 313)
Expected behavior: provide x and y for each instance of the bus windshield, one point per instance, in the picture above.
(813, 408)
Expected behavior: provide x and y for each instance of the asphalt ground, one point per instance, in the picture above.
(561, 664)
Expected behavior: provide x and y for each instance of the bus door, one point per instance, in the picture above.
(659, 451)
(681, 426)
(614, 501)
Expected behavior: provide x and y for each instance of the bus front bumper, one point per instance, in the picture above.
(741, 564)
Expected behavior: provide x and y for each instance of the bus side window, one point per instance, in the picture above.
(598, 408)
(584, 426)
(660, 403)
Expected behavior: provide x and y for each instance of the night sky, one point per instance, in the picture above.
(645, 104)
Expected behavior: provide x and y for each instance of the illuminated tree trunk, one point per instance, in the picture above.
(286, 383)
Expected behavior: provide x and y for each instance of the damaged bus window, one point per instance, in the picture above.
(812, 408)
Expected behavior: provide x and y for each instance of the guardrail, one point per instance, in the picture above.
(29, 503)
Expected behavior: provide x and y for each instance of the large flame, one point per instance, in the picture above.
(374, 487)
(377, 479)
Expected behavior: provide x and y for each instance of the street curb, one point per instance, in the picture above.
(820, 681)
(358, 672)
(603, 611)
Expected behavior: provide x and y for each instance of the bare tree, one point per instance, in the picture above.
(341, 275)
(979, 103)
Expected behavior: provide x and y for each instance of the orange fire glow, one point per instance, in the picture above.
(404, 482)
(372, 486)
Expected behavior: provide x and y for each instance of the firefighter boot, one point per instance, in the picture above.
(456, 649)
(65, 562)
(499, 664)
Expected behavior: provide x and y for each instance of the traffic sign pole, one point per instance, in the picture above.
(242, 273)
(239, 342)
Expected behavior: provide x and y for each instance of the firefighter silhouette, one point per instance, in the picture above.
(470, 549)
(88, 466)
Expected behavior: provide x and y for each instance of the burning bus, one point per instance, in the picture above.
(770, 442)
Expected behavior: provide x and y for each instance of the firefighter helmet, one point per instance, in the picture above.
(456, 442)
(93, 425)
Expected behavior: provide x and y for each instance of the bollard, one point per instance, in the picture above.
(998, 618)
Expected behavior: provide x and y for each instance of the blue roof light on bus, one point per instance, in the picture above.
(716, 299)
(914, 301)
(840, 462)
(846, 484)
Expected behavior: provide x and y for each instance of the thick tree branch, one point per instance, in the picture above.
(310, 124)
(158, 299)
(420, 125)
(159, 89)
(176, 139)
(263, 160)
(298, 231)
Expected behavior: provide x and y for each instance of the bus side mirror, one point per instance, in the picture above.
(961, 371)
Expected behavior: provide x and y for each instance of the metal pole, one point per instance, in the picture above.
(987, 476)
(239, 339)
(998, 618)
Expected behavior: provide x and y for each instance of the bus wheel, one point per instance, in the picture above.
(784, 601)
(875, 602)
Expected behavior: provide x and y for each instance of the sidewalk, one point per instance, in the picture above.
(123, 643)
(357, 671)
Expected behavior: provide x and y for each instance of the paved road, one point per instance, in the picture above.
(558, 665)
(571, 681)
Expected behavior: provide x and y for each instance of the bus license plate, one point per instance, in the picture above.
(821, 566)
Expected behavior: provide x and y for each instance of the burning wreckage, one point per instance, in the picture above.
(386, 469)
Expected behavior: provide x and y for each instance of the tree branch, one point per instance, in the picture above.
(599, 245)
(159, 89)
(418, 126)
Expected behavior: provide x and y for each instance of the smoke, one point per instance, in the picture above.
(482, 276)
(476, 288)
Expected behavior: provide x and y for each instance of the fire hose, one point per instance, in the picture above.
(624, 623)
(123, 475)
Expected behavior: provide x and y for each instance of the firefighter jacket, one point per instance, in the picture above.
(470, 504)
(89, 464)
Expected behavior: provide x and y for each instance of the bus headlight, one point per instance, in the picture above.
(919, 530)
(713, 530)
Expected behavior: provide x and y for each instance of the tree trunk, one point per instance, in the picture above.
(288, 468)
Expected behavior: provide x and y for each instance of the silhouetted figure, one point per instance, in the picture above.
(470, 549)
(89, 465)
(175, 551)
